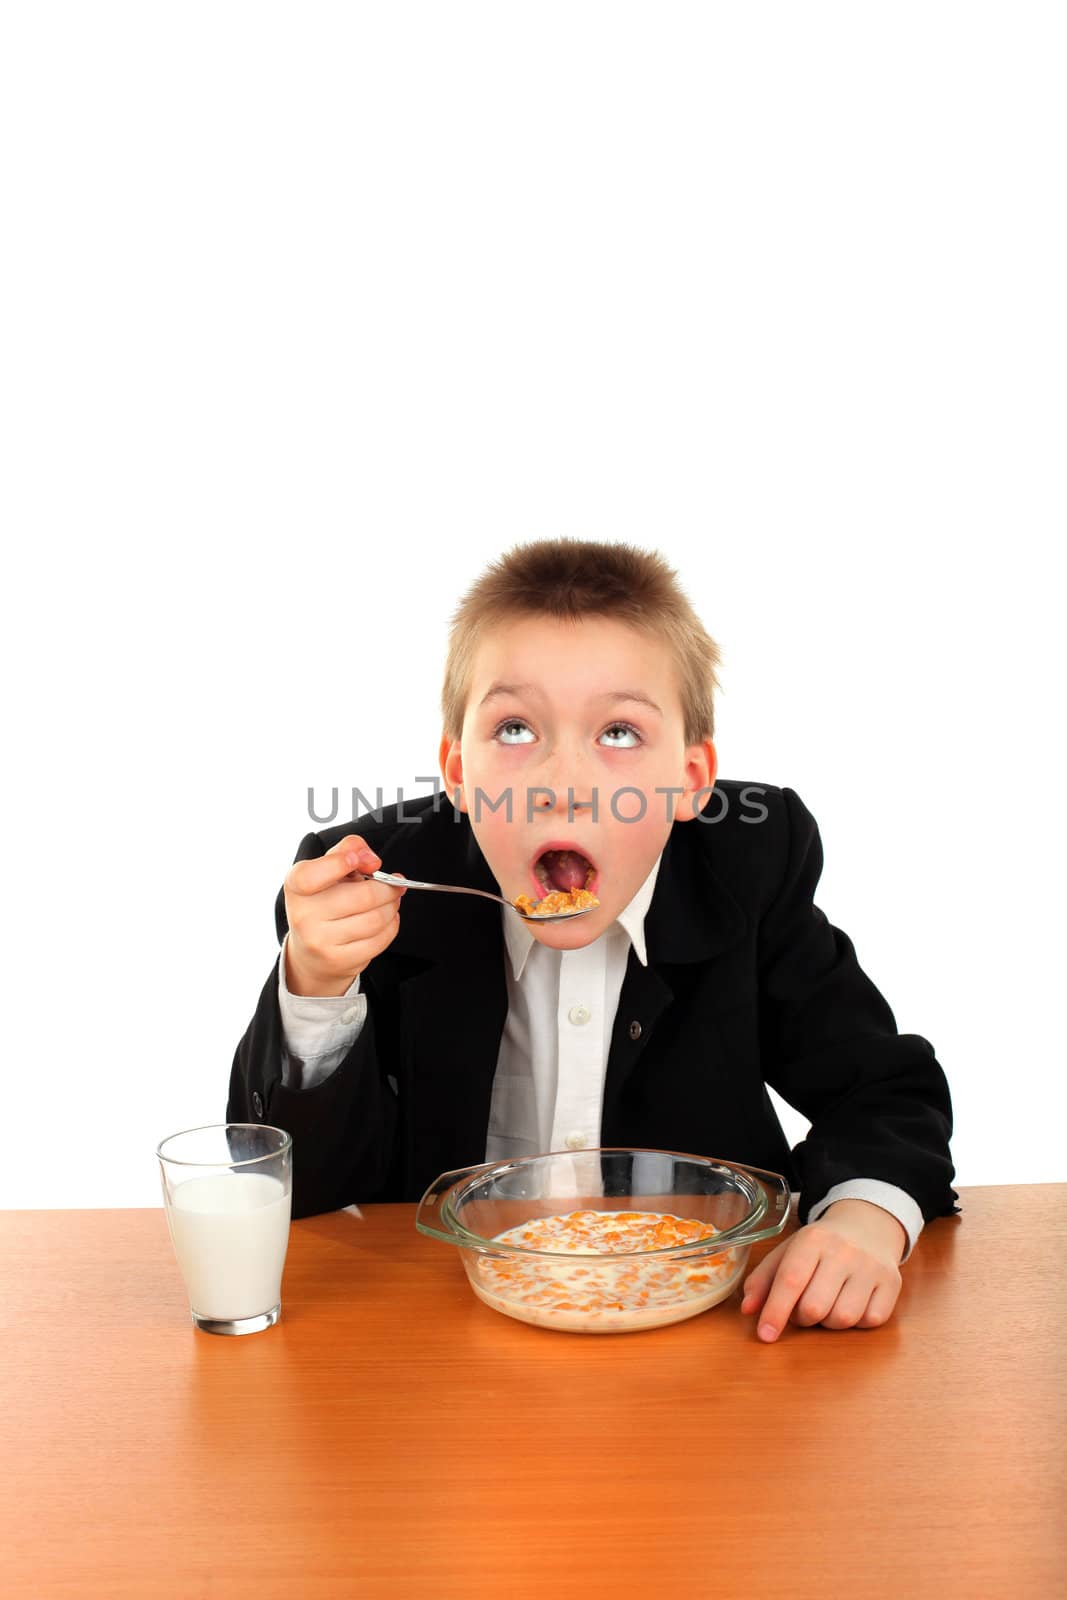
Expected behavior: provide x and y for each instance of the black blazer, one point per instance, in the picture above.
(747, 983)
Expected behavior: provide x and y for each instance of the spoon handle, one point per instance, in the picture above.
(442, 888)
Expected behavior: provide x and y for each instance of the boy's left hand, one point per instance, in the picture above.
(841, 1271)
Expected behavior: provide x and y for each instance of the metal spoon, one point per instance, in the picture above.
(455, 888)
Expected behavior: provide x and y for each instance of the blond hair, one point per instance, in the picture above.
(570, 579)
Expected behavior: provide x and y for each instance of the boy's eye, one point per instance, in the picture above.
(631, 734)
(505, 730)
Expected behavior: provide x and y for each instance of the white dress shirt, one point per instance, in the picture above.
(549, 1084)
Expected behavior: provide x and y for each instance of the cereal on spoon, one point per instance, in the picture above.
(556, 901)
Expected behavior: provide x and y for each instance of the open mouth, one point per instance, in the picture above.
(564, 867)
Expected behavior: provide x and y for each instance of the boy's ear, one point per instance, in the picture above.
(701, 767)
(450, 757)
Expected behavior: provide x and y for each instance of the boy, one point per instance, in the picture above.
(578, 750)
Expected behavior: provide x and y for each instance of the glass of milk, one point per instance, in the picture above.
(227, 1192)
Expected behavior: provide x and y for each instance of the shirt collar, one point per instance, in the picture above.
(630, 923)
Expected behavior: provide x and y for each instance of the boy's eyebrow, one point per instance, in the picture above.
(502, 689)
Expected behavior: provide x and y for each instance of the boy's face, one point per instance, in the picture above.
(591, 706)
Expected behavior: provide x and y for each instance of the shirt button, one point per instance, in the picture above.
(575, 1141)
(635, 1030)
(257, 1103)
(579, 1014)
(350, 1015)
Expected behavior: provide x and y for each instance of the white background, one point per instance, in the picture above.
(311, 310)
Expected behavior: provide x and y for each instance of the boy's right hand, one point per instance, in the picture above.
(338, 923)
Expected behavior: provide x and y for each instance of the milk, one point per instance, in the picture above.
(230, 1233)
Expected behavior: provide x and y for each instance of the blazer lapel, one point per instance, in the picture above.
(453, 1006)
(692, 918)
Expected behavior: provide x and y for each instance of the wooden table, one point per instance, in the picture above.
(393, 1436)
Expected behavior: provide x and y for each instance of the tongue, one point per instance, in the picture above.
(566, 869)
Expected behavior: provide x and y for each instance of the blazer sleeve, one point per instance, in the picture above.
(344, 1129)
(877, 1100)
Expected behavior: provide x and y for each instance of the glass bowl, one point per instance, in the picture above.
(605, 1240)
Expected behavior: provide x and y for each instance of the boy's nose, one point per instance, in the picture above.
(557, 800)
(565, 769)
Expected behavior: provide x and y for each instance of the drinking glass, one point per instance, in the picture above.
(227, 1191)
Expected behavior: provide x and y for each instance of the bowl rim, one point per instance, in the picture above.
(713, 1244)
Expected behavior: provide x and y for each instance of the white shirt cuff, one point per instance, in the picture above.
(318, 1030)
(887, 1195)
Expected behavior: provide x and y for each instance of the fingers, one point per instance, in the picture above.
(366, 925)
(758, 1283)
(814, 1278)
(832, 1296)
(339, 919)
(349, 854)
(880, 1306)
(338, 883)
(794, 1273)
